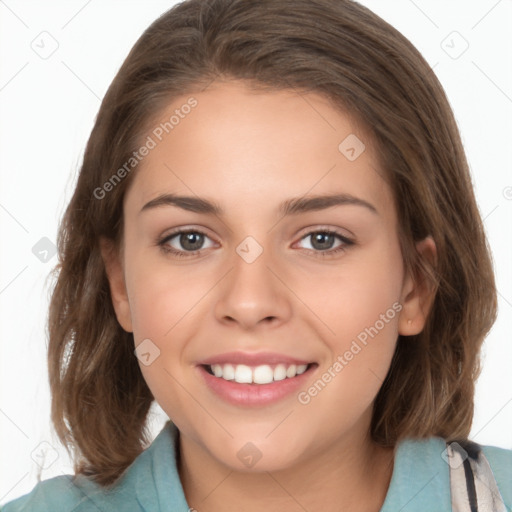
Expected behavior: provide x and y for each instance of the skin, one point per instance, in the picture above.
(249, 151)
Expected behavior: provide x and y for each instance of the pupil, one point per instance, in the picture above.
(191, 241)
(323, 240)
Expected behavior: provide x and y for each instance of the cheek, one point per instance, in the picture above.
(163, 301)
(161, 295)
(165, 305)
(360, 305)
(165, 381)
(360, 355)
(360, 293)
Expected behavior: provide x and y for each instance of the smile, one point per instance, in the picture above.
(262, 374)
(254, 380)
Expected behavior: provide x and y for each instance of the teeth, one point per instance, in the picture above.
(301, 368)
(227, 372)
(280, 372)
(291, 371)
(243, 374)
(263, 374)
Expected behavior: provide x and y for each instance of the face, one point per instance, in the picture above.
(265, 316)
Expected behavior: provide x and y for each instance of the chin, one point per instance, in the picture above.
(257, 453)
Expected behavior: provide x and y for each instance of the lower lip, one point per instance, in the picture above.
(254, 394)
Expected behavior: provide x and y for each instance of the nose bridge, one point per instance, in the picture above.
(251, 292)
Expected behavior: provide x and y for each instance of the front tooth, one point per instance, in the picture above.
(228, 372)
(263, 374)
(301, 368)
(280, 372)
(243, 374)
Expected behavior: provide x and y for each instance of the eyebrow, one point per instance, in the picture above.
(291, 206)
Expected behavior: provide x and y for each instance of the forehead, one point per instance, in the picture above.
(252, 149)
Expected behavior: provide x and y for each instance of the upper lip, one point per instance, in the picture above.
(252, 359)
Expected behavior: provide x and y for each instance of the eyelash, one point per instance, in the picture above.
(347, 242)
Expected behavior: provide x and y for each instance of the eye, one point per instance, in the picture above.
(322, 242)
(190, 242)
(184, 242)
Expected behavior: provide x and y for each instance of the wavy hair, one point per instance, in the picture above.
(343, 51)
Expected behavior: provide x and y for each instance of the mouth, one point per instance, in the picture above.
(261, 374)
(246, 385)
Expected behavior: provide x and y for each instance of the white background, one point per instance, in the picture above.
(47, 111)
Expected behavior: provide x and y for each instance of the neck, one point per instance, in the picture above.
(352, 475)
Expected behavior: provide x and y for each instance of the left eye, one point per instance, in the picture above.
(323, 241)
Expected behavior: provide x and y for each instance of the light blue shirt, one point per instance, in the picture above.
(420, 482)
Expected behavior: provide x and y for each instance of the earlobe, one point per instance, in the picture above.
(114, 270)
(417, 294)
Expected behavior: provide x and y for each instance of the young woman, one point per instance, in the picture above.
(273, 235)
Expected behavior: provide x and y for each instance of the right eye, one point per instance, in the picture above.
(190, 240)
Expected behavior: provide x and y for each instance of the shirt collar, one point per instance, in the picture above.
(421, 478)
(158, 485)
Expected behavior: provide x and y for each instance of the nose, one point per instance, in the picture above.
(253, 293)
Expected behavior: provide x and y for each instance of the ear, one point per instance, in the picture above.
(417, 294)
(115, 274)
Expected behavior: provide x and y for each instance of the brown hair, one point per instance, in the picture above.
(343, 51)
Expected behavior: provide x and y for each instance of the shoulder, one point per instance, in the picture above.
(500, 461)
(151, 480)
(423, 473)
(69, 492)
(59, 493)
